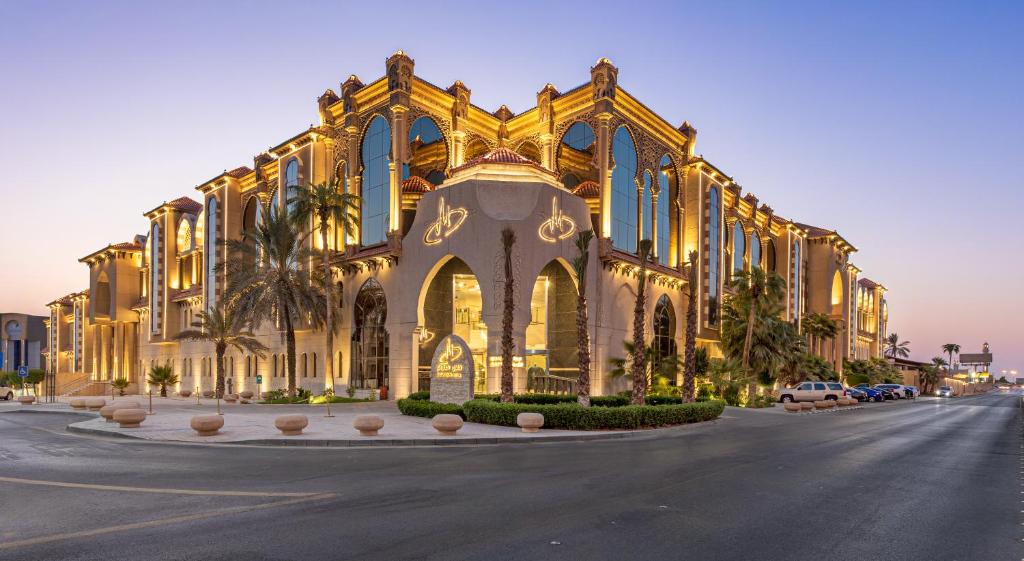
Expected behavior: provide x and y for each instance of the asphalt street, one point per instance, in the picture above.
(929, 480)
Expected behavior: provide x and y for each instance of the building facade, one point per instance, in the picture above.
(439, 179)
(22, 341)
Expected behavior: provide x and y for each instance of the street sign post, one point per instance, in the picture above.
(23, 374)
(259, 386)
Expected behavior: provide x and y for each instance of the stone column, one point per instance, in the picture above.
(546, 152)
(402, 356)
(655, 248)
(399, 147)
(604, 173)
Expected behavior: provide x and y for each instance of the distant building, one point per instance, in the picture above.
(22, 338)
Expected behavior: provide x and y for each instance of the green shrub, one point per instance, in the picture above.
(854, 379)
(609, 400)
(419, 396)
(573, 417)
(424, 408)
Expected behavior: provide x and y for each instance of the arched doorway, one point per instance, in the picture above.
(664, 329)
(551, 359)
(369, 368)
(452, 303)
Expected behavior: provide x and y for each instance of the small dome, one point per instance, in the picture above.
(417, 185)
(587, 190)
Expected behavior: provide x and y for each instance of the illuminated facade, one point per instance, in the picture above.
(439, 178)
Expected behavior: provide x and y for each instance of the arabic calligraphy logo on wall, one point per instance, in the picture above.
(558, 227)
(448, 221)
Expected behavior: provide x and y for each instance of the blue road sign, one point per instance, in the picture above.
(23, 371)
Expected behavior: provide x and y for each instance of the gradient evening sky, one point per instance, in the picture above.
(898, 124)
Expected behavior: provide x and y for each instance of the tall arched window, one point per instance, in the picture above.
(663, 342)
(755, 251)
(210, 237)
(738, 249)
(665, 201)
(796, 279)
(275, 203)
(370, 347)
(714, 251)
(647, 215)
(155, 264)
(428, 152)
(376, 188)
(771, 255)
(576, 155)
(291, 183)
(624, 195)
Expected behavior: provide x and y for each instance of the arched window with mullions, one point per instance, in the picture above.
(370, 345)
(428, 152)
(647, 212)
(738, 249)
(664, 329)
(714, 252)
(375, 189)
(291, 183)
(666, 198)
(624, 195)
(755, 251)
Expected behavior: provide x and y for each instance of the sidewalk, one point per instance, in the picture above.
(254, 425)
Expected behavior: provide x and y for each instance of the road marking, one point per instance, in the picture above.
(160, 522)
(97, 487)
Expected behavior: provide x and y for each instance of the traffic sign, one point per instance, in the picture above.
(259, 378)
(23, 371)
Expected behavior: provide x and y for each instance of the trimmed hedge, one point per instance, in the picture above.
(553, 399)
(573, 417)
(419, 396)
(418, 407)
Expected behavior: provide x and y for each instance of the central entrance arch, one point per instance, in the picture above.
(452, 302)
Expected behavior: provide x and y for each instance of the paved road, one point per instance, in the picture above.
(931, 480)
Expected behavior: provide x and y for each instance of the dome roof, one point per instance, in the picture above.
(417, 185)
(501, 155)
(587, 190)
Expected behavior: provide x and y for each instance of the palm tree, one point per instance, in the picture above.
(654, 369)
(690, 343)
(508, 240)
(329, 204)
(818, 327)
(950, 349)
(278, 290)
(930, 376)
(162, 376)
(579, 266)
(751, 324)
(221, 327)
(894, 348)
(639, 378)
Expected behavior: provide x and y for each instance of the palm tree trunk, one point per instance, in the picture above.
(690, 344)
(748, 341)
(220, 369)
(639, 372)
(290, 350)
(508, 238)
(329, 297)
(582, 349)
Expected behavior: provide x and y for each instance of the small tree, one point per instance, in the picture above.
(222, 329)
(163, 376)
(653, 370)
(120, 384)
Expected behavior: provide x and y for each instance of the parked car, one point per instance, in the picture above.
(811, 391)
(944, 391)
(886, 393)
(858, 394)
(6, 392)
(916, 391)
(900, 390)
(871, 394)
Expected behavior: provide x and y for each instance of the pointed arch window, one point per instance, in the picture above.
(755, 251)
(291, 184)
(666, 198)
(714, 252)
(624, 191)
(376, 188)
(738, 249)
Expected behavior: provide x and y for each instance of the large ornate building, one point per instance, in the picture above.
(439, 178)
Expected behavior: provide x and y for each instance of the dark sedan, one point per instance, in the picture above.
(881, 394)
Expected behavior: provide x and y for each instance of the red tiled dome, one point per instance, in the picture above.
(417, 185)
(587, 190)
(501, 155)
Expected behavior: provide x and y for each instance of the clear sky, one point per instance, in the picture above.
(898, 124)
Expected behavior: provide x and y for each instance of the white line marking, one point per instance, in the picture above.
(97, 487)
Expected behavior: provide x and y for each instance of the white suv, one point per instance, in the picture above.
(811, 391)
(5, 392)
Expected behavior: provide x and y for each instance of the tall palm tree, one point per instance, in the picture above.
(327, 204)
(221, 327)
(639, 376)
(819, 327)
(163, 376)
(753, 317)
(508, 241)
(279, 289)
(579, 266)
(894, 348)
(950, 349)
(690, 342)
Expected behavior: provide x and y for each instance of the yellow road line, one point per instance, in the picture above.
(161, 522)
(97, 487)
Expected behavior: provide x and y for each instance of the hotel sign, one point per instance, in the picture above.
(558, 227)
(448, 221)
(451, 371)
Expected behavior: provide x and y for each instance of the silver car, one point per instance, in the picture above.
(944, 391)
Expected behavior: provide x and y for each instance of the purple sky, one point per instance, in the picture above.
(898, 125)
